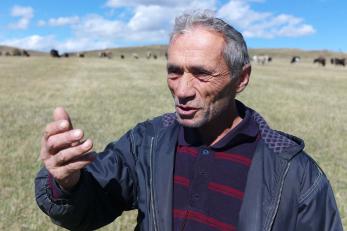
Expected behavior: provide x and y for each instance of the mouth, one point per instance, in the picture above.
(186, 111)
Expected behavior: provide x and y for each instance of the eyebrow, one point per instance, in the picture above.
(173, 68)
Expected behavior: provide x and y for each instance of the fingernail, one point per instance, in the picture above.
(87, 143)
(64, 124)
(77, 133)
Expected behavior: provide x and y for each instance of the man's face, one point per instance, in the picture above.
(199, 78)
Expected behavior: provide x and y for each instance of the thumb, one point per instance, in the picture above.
(60, 114)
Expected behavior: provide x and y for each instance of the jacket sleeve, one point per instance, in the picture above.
(317, 206)
(106, 188)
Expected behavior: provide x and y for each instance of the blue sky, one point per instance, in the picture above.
(87, 25)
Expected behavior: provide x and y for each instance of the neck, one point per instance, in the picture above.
(215, 130)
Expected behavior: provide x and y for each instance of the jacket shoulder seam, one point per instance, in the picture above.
(315, 186)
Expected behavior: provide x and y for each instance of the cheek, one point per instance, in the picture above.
(170, 85)
(216, 93)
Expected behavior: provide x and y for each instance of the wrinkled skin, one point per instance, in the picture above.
(200, 83)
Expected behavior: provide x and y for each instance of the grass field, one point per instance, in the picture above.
(107, 97)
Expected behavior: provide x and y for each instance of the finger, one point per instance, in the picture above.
(74, 153)
(64, 140)
(60, 114)
(55, 127)
(79, 163)
(73, 167)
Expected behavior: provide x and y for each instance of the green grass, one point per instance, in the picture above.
(107, 97)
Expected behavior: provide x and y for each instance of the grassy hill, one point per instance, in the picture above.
(4, 49)
(160, 51)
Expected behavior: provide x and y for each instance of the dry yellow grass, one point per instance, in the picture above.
(107, 97)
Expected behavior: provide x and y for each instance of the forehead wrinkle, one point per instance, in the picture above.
(187, 59)
(197, 47)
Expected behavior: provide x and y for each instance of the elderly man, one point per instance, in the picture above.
(213, 165)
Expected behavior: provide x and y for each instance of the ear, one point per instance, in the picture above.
(244, 78)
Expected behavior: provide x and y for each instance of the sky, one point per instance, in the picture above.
(88, 25)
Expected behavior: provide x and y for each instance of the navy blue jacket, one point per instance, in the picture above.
(286, 190)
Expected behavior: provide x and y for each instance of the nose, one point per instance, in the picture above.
(184, 89)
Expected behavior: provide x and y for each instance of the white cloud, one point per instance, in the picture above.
(98, 26)
(151, 22)
(159, 17)
(61, 21)
(34, 42)
(134, 3)
(150, 18)
(24, 13)
(262, 24)
(46, 43)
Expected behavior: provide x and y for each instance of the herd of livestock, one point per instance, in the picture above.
(264, 59)
(257, 59)
(102, 54)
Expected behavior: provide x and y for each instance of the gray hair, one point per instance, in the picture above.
(235, 52)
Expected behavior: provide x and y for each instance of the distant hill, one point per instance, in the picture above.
(141, 51)
(274, 52)
(4, 49)
(160, 51)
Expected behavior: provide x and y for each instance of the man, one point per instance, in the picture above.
(214, 165)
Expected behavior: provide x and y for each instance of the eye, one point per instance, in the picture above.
(201, 74)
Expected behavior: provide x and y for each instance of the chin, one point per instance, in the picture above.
(191, 122)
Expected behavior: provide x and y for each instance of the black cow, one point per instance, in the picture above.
(66, 55)
(338, 61)
(320, 60)
(122, 56)
(25, 53)
(295, 59)
(54, 53)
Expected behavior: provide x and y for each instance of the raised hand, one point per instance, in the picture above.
(63, 150)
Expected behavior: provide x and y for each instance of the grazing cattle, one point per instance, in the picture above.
(66, 55)
(295, 59)
(320, 60)
(19, 52)
(54, 53)
(105, 54)
(261, 59)
(122, 56)
(25, 53)
(16, 52)
(81, 55)
(155, 56)
(135, 56)
(338, 61)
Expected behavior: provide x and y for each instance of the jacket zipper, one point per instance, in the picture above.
(151, 185)
(278, 198)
